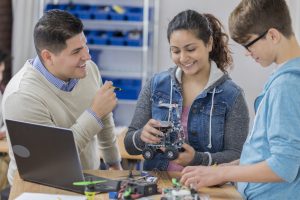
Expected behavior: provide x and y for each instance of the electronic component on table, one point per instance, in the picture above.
(179, 192)
(172, 141)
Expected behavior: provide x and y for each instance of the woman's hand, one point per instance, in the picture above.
(186, 156)
(150, 134)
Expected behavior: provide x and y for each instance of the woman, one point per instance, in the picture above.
(197, 94)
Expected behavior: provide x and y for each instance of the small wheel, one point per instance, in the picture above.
(148, 154)
(172, 153)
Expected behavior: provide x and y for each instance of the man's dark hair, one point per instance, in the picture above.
(258, 16)
(53, 29)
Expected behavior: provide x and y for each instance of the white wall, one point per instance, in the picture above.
(294, 6)
(246, 72)
(25, 14)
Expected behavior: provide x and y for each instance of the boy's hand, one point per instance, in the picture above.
(202, 176)
(235, 162)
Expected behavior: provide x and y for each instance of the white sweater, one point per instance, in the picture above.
(30, 97)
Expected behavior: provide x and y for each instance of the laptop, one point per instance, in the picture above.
(48, 155)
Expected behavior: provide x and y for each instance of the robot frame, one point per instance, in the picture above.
(171, 142)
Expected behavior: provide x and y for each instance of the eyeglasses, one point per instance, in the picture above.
(255, 40)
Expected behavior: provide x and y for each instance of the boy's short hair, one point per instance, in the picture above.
(257, 16)
(53, 29)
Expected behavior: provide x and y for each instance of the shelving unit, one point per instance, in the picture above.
(127, 61)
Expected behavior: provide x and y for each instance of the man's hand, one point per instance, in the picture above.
(116, 166)
(105, 100)
(2, 135)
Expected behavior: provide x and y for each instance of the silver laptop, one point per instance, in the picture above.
(48, 155)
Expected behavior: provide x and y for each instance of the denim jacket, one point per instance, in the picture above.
(217, 120)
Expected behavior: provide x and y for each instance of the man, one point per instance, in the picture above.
(270, 161)
(61, 87)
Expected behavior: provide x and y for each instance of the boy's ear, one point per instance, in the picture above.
(274, 35)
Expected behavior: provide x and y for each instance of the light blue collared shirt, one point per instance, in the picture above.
(60, 84)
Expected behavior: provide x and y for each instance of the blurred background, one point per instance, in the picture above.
(136, 46)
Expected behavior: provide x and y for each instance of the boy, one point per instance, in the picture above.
(270, 160)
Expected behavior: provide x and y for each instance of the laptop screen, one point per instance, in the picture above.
(46, 154)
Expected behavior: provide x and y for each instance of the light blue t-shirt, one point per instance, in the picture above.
(275, 136)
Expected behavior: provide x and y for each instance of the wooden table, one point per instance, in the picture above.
(3, 146)
(215, 193)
